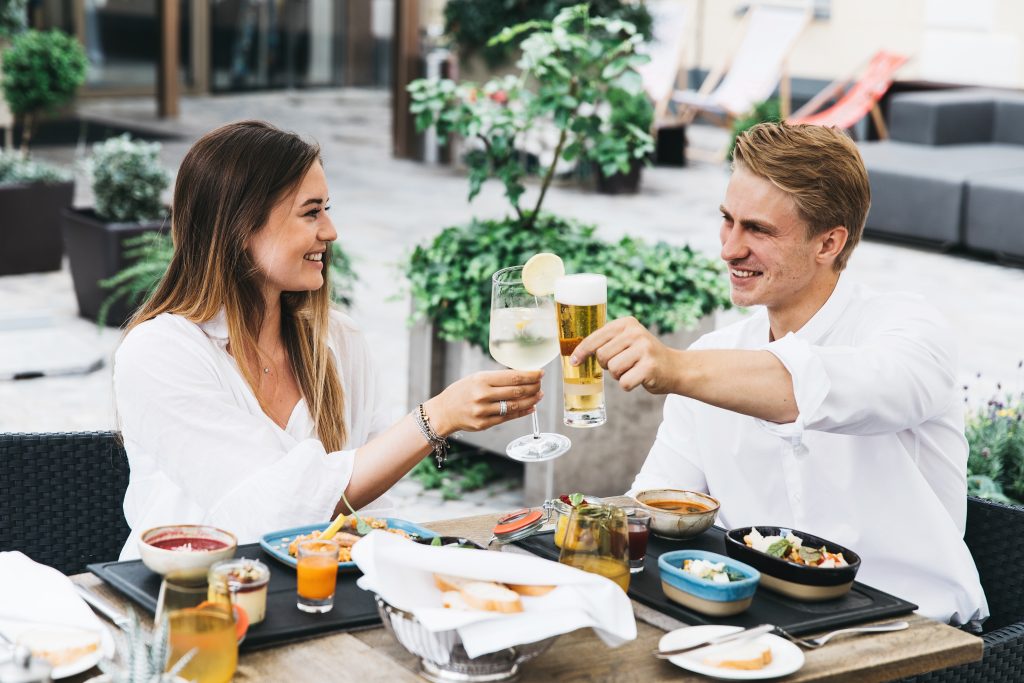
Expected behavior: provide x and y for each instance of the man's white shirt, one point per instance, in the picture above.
(875, 461)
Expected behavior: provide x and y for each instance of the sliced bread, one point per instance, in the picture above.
(60, 645)
(447, 582)
(453, 600)
(746, 656)
(533, 591)
(490, 596)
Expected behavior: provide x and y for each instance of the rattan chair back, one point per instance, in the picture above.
(61, 497)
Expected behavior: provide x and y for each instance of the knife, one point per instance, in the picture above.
(745, 634)
(103, 607)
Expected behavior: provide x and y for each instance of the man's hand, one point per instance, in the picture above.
(632, 355)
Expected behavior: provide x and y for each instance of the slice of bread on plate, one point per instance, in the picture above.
(60, 645)
(746, 656)
(528, 590)
(492, 597)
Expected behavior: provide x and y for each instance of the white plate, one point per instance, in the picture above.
(106, 649)
(786, 657)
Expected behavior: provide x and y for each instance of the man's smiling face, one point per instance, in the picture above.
(765, 243)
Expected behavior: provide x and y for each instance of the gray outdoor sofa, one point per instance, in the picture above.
(952, 172)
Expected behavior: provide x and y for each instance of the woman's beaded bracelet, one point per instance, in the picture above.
(438, 443)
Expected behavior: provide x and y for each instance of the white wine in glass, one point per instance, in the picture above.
(524, 336)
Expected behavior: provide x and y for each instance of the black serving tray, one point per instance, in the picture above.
(354, 608)
(863, 603)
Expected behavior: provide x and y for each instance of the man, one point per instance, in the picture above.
(831, 410)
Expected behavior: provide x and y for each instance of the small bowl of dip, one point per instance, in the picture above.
(185, 548)
(678, 514)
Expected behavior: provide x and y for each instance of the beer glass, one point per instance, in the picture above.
(582, 302)
(523, 336)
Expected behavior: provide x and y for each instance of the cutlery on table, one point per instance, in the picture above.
(104, 608)
(815, 643)
(738, 636)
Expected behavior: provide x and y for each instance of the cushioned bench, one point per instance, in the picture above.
(941, 144)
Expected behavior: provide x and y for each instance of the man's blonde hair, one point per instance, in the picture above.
(820, 168)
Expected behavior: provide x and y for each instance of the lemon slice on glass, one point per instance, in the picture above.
(540, 273)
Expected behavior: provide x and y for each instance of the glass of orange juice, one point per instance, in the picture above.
(200, 625)
(597, 540)
(317, 575)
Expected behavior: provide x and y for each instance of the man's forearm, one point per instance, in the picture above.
(753, 383)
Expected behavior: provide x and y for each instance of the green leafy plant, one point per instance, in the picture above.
(144, 660)
(16, 169)
(470, 24)
(577, 73)
(150, 254)
(13, 18)
(42, 71)
(769, 110)
(995, 464)
(128, 180)
(461, 475)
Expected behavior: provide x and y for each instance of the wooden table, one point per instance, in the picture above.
(373, 656)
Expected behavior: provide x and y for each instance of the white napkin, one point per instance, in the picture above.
(33, 594)
(402, 574)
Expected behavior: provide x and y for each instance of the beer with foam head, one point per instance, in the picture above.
(582, 302)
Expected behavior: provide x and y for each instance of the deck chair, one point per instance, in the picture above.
(755, 67)
(859, 100)
(660, 76)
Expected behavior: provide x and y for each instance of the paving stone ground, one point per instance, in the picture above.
(383, 207)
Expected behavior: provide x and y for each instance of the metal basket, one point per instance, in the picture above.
(443, 659)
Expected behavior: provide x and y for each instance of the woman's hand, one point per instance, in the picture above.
(472, 404)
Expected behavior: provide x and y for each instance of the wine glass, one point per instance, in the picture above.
(524, 336)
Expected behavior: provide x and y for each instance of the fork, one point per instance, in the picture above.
(815, 643)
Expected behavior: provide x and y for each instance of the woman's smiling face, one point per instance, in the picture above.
(289, 249)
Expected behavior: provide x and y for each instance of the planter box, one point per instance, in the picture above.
(96, 252)
(620, 183)
(603, 460)
(30, 226)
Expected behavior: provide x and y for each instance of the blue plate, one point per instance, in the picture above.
(276, 543)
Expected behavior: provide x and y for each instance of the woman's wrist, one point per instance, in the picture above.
(437, 417)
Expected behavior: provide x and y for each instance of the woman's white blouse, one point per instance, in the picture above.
(201, 449)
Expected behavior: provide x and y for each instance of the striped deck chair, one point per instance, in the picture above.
(858, 101)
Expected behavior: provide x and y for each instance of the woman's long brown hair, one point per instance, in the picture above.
(227, 185)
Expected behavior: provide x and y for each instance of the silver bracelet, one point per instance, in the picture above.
(438, 444)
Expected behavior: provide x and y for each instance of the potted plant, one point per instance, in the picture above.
(572, 69)
(41, 71)
(127, 183)
(31, 196)
(13, 20)
(143, 659)
(620, 154)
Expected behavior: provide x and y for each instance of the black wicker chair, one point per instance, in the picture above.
(994, 535)
(61, 497)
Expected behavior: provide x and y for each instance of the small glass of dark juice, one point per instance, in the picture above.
(639, 524)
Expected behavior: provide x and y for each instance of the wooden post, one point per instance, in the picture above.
(359, 42)
(405, 69)
(167, 86)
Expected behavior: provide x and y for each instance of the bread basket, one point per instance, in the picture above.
(442, 656)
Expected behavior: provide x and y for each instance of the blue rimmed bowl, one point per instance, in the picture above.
(703, 595)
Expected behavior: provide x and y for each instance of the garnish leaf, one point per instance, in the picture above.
(575, 499)
(810, 555)
(779, 548)
(436, 541)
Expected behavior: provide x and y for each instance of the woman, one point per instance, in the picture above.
(245, 401)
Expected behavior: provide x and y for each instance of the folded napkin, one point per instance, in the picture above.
(401, 573)
(32, 594)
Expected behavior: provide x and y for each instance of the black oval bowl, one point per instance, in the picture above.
(450, 541)
(791, 572)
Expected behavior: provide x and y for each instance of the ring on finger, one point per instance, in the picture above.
(502, 408)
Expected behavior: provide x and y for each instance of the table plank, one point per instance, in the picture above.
(374, 656)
